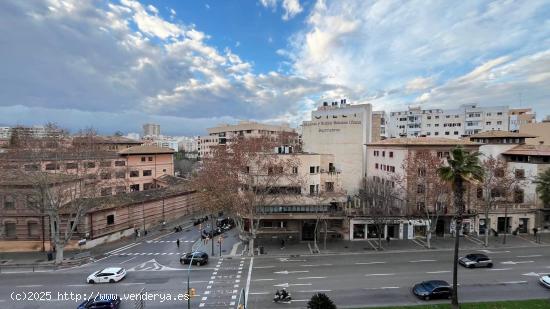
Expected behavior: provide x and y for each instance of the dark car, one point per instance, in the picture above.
(199, 258)
(432, 289)
(475, 260)
(107, 301)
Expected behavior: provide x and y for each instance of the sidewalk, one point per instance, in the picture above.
(273, 247)
(40, 259)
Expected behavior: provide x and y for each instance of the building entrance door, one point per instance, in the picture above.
(393, 230)
(523, 225)
(308, 231)
(405, 231)
(503, 225)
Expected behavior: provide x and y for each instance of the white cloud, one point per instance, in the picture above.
(152, 9)
(291, 8)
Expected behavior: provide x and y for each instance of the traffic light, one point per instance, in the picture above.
(192, 292)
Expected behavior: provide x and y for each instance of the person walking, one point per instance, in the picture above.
(178, 243)
(388, 239)
(282, 244)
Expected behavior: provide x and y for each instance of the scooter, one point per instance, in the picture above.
(280, 299)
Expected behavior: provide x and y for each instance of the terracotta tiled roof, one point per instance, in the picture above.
(497, 134)
(107, 140)
(145, 150)
(530, 150)
(422, 141)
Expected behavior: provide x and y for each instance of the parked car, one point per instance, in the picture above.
(107, 301)
(199, 258)
(545, 281)
(432, 289)
(110, 274)
(475, 260)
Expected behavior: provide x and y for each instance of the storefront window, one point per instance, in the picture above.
(372, 231)
(358, 231)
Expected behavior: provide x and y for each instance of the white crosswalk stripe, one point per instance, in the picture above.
(145, 253)
(167, 241)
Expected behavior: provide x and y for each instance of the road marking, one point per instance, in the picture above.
(263, 279)
(305, 278)
(286, 285)
(528, 256)
(289, 260)
(132, 283)
(370, 263)
(513, 263)
(513, 282)
(494, 252)
(372, 275)
(261, 267)
(286, 272)
(438, 272)
(383, 288)
(258, 293)
(315, 265)
(495, 269)
(248, 280)
(234, 249)
(77, 285)
(122, 248)
(314, 291)
(422, 261)
(128, 260)
(28, 286)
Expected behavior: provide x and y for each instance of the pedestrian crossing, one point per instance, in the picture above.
(168, 241)
(146, 253)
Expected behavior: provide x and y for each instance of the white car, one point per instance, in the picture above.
(111, 275)
(545, 280)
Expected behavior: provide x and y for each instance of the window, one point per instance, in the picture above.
(147, 172)
(479, 193)
(499, 173)
(31, 167)
(447, 133)
(499, 122)
(31, 202)
(106, 191)
(436, 125)
(496, 192)
(376, 165)
(499, 114)
(312, 169)
(52, 166)
(294, 170)
(436, 117)
(383, 154)
(420, 188)
(488, 114)
(134, 173)
(71, 166)
(447, 116)
(150, 158)
(429, 117)
(120, 189)
(110, 219)
(105, 163)
(247, 170)
(105, 175)
(421, 171)
(148, 186)
(520, 174)
(120, 175)
(32, 229)
(142, 159)
(456, 132)
(120, 163)
(488, 123)
(9, 202)
(10, 230)
(331, 168)
(436, 133)
(90, 164)
(518, 196)
(311, 189)
(329, 186)
(134, 188)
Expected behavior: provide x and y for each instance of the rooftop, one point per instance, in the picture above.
(422, 141)
(148, 149)
(107, 140)
(19, 178)
(529, 150)
(501, 134)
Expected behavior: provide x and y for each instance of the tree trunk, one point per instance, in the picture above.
(325, 240)
(487, 228)
(455, 304)
(251, 245)
(428, 239)
(379, 239)
(59, 247)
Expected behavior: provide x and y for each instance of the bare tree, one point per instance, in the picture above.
(426, 194)
(245, 176)
(63, 179)
(381, 203)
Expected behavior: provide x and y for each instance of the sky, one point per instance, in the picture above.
(192, 64)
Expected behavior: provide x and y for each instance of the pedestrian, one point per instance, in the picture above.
(282, 244)
(535, 231)
(388, 239)
(145, 233)
(178, 243)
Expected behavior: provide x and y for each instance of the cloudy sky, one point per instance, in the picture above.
(188, 65)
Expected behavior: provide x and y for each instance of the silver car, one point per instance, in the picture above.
(475, 260)
(545, 281)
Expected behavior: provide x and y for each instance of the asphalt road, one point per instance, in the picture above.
(351, 280)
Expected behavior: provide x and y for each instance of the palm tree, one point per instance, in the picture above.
(543, 187)
(463, 167)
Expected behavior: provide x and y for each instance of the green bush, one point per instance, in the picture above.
(320, 301)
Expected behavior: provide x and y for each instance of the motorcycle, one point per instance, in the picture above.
(280, 299)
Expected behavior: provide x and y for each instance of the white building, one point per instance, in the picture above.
(224, 133)
(189, 144)
(343, 130)
(5, 132)
(451, 123)
(151, 129)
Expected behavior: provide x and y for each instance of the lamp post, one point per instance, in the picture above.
(189, 275)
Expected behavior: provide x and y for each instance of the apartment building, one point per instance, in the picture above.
(224, 133)
(449, 123)
(343, 129)
(311, 194)
(151, 129)
(524, 210)
(162, 141)
(540, 129)
(519, 117)
(385, 163)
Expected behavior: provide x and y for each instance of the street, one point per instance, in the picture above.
(351, 280)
